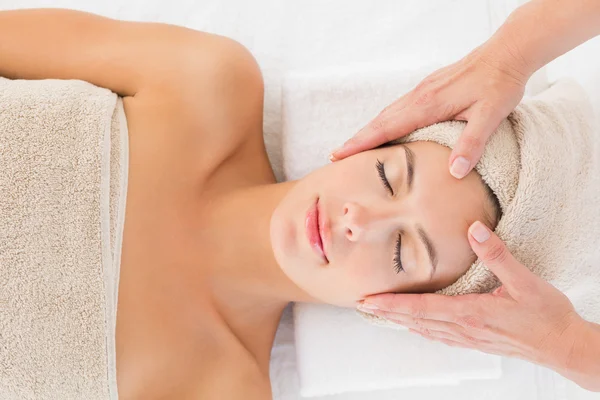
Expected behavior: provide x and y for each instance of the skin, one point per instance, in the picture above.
(213, 248)
(197, 168)
(363, 220)
(557, 337)
(483, 88)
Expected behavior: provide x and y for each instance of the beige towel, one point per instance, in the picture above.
(63, 183)
(543, 164)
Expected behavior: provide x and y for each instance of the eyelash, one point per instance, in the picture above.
(397, 261)
(381, 171)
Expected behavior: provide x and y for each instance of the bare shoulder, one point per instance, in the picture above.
(206, 109)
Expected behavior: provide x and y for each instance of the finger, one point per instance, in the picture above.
(470, 145)
(417, 109)
(396, 106)
(422, 90)
(494, 254)
(418, 323)
(435, 338)
(381, 130)
(450, 330)
(498, 349)
(464, 326)
(465, 340)
(500, 291)
(489, 348)
(425, 306)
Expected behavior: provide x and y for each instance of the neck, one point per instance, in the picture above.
(248, 287)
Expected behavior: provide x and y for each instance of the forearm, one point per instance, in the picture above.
(542, 30)
(63, 44)
(583, 364)
(119, 55)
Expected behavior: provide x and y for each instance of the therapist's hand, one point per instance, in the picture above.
(526, 317)
(482, 88)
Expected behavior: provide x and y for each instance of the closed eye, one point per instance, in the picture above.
(397, 259)
(381, 171)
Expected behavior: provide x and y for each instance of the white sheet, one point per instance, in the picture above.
(291, 34)
(338, 352)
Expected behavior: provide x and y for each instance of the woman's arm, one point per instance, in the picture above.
(542, 30)
(486, 85)
(583, 364)
(122, 56)
(182, 80)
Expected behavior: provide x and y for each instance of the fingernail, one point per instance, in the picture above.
(460, 167)
(480, 232)
(332, 157)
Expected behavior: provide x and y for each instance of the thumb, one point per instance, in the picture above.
(494, 254)
(469, 146)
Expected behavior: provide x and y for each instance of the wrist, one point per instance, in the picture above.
(506, 51)
(580, 355)
(575, 342)
(539, 31)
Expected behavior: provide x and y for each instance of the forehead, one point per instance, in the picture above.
(446, 206)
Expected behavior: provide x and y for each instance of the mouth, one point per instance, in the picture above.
(315, 229)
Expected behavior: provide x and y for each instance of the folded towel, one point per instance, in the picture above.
(543, 164)
(337, 351)
(63, 184)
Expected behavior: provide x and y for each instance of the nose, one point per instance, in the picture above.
(359, 221)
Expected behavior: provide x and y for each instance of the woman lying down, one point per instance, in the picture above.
(214, 248)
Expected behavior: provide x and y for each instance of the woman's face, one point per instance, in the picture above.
(414, 240)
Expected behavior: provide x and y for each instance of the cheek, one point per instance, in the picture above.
(349, 173)
(370, 271)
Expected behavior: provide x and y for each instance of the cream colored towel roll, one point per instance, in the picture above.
(63, 184)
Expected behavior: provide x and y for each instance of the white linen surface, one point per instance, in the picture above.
(310, 34)
(338, 351)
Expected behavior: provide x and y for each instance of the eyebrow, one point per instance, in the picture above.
(410, 172)
(430, 249)
(410, 166)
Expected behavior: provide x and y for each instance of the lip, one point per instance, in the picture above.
(323, 230)
(314, 230)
